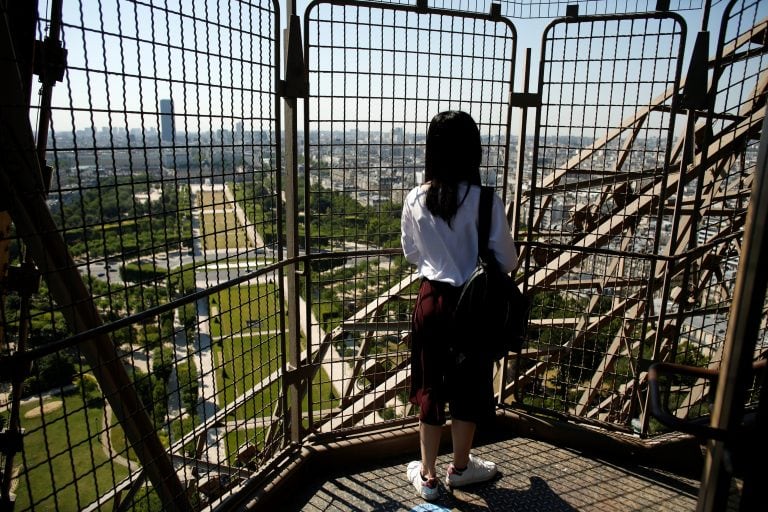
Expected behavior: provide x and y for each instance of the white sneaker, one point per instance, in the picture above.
(478, 470)
(427, 489)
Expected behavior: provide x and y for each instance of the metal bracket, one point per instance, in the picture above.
(11, 441)
(50, 60)
(572, 11)
(695, 92)
(14, 367)
(296, 375)
(524, 99)
(495, 12)
(662, 5)
(24, 279)
(295, 84)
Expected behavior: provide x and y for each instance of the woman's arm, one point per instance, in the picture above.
(500, 239)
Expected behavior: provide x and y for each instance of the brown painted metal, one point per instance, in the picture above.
(20, 178)
(745, 318)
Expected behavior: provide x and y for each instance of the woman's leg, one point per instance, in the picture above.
(428, 368)
(429, 437)
(472, 402)
(465, 470)
(462, 435)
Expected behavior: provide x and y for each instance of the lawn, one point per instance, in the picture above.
(245, 307)
(244, 362)
(221, 228)
(61, 451)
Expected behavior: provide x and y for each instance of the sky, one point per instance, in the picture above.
(152, 60)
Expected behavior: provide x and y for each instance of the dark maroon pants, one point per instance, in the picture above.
(437, 378)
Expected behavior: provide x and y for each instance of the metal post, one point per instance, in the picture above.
(745, 317)
(292, 89)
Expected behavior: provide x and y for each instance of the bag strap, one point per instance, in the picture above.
(484, 228)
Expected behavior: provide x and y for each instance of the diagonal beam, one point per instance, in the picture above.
(23, 192)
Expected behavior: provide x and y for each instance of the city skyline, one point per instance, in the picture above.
(127, 81)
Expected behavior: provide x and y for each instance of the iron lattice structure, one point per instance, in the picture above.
(201, 273)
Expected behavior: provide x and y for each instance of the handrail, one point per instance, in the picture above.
(693, 427)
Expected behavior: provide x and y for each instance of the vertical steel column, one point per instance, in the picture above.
(52, 41)
(743, 327)
(524, 100)
(291, 89)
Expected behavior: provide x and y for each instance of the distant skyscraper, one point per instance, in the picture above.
(167, 128)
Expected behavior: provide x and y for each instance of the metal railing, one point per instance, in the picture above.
(202, 286)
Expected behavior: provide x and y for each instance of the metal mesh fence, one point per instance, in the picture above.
(165, 153)
(370, 67)
(157, 336)
(634, 260)
(594, 219)
(527, 9)
(721, 194)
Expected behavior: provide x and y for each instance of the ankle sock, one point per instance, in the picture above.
(425, 478)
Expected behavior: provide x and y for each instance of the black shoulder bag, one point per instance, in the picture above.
(491, 309)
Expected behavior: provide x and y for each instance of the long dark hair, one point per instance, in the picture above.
(453, 155)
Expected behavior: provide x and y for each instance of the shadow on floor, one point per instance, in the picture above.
(534, 476)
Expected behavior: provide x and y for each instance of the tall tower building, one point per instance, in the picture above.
(167, 128)
(239, 131)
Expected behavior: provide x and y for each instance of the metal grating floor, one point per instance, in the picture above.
(534, 476)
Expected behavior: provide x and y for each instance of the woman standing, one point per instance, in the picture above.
(439, 236)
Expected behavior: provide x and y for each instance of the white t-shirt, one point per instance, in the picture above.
(449, 254)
